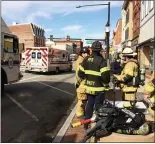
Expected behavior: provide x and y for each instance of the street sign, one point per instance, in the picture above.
(89, 42)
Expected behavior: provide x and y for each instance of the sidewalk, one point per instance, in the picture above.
(74, 135)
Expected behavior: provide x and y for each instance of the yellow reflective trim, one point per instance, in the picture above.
(81, 68)
(149, 88)
(88, 88)
(92, 72)
(130, 89)
(104, 69)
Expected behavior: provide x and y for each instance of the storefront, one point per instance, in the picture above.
(147, 55)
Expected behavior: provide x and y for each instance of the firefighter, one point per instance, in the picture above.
(149, 94)
(97, 77)
(79, 84)
(129, 77)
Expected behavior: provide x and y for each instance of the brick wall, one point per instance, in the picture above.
(26, 35)
(136, 18)
(127, 25)
(118, 33)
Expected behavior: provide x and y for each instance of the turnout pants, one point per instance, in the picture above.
(82, 99)
(93, 101)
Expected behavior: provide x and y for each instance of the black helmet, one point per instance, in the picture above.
(96, 46)
(84, 50)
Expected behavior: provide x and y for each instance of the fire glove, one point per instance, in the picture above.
(76, 86)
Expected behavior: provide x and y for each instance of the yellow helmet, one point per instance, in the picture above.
(128, 52)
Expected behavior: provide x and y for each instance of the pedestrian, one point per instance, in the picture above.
(96, 74)
(116, 66)
(149, 94)
(129, 78)
(81, 95)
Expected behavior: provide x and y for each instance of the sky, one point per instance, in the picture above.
(61, 18)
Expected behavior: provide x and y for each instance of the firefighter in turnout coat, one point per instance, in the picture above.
(129, 77)
(96, 74)
(149, 94)
(81, 95)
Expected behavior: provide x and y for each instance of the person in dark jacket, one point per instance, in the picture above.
(97, 77)
(116, 67)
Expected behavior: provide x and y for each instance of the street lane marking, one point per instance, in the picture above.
(64, 128)
(30, 78)
(54, 88)
(22, 107)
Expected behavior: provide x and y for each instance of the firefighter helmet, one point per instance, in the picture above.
(128, 52)
(96, 46)
(84, 50)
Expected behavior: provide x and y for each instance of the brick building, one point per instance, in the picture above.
(117, 35)
(29, 34)
(76, 43)
(136, 25)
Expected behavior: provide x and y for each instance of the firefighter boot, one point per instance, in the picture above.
(79, 110)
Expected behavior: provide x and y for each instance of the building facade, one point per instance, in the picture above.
(147, 35)
(127, 23)
(117, 36)
(29, 34)
(136, 25)
(77, 44)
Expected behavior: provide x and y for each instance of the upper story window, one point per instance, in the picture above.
(127, 17)
(146, 8)
(127, 34)
(142, 9)
(151, 4)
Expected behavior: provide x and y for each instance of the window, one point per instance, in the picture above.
(127, 17)
(127, 34)
(15, 46)
(151, 4)
(146, 8)
(39, 55)
(142, 10)
(10, 44)
(33, 55)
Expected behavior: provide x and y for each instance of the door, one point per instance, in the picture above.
(11, 57)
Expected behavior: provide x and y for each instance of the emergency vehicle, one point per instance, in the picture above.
(10, 58)
(46, 59)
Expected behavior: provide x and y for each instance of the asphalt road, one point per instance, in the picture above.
(36, 106)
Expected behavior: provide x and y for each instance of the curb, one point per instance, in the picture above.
(65, 127)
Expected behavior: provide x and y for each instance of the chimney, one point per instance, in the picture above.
(51, 37)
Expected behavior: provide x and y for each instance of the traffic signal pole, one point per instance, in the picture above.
(107, 29)
(108, 35)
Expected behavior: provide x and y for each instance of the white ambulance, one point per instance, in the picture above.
(46, 59)
(10, 58)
